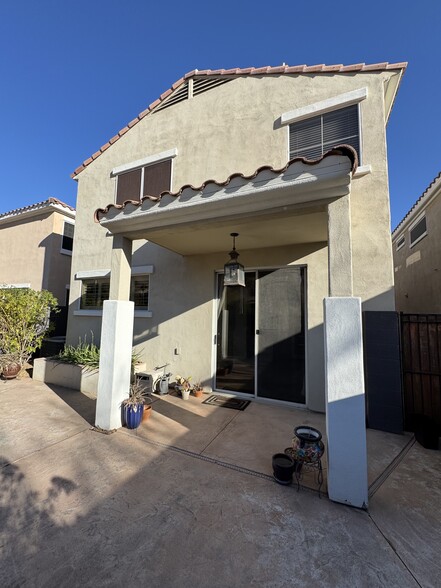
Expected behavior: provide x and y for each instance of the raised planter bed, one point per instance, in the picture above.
(50, 371)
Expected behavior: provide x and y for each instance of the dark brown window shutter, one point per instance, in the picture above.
(157, 178)
(129, 186)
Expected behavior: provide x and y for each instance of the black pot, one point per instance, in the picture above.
(283, 468)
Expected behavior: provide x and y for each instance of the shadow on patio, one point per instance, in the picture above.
(248, 439)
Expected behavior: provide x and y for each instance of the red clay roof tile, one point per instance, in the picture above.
(338, 150)
(287, 69)
(38, 205)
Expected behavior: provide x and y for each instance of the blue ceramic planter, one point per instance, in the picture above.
(133, 416)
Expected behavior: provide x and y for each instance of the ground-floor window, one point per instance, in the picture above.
(95, 290)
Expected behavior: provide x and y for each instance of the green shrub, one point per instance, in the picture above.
(24, 320)
(87, 354)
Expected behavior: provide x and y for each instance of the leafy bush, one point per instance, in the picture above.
(24, 320)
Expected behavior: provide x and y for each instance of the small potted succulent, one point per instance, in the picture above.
(198, 390)
(133, 406)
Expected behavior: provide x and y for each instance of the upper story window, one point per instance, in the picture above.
(316, 128)
(67, 239)
(313, 137)
(400, 242)
(145, 177)
(145, 181)
(418, 231)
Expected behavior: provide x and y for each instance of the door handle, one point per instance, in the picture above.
(257, 331)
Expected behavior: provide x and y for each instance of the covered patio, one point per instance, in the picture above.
(305, 202)
(246, 440)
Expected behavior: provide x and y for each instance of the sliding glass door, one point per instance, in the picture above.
(260, 339)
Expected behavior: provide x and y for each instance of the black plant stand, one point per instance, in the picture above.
(301, 466)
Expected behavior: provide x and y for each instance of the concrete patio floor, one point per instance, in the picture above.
(80, 508)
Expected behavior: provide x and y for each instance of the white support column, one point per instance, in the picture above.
(116, 339)
(115, 362)
(340, 247)
(345, 402)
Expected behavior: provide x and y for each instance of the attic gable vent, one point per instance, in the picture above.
(200, 85)
(203, 84)
(180, 95)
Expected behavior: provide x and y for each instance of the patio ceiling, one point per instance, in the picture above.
(270, 208)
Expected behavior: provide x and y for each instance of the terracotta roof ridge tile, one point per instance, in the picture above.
(347, 150)
(36, 206)
(252, 71)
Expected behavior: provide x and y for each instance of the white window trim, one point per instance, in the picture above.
(66, 251)
(137, 313)
(84, 275)
(170, 154)
(413, 225)
(7, 286)
(335, 103)
(362, 170)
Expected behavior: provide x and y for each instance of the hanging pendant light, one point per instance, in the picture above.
(234, 271)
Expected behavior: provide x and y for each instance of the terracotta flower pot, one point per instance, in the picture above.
(198, 393)
(147, 412)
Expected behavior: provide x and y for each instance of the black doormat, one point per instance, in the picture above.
(224, 402)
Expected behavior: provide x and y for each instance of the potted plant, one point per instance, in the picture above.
(184, 386)
(133, 406)
(147, 410)
(10, 365)
(198, 390)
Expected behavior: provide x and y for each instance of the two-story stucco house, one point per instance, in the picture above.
(36, 244)
(417, 255)
(291, 159)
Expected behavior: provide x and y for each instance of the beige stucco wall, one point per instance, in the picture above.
(418, 269)
(33, 255)
(236, 128)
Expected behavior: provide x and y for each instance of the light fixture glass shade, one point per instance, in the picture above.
(234, 272)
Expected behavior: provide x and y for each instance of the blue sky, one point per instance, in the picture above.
(73, 73)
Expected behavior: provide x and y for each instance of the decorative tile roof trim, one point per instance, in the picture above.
(269, 70)
(339, 150)
(422, 200)
(50, 202)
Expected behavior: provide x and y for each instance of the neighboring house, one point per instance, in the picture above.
(417, 255)
(294, 160)
(36, 245)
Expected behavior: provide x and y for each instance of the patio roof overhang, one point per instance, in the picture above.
(269, 208)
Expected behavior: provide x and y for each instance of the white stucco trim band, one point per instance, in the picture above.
(334, 103)
(137, 270)
(156, 158)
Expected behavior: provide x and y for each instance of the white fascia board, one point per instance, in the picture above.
(327, 105)
(144, 161)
